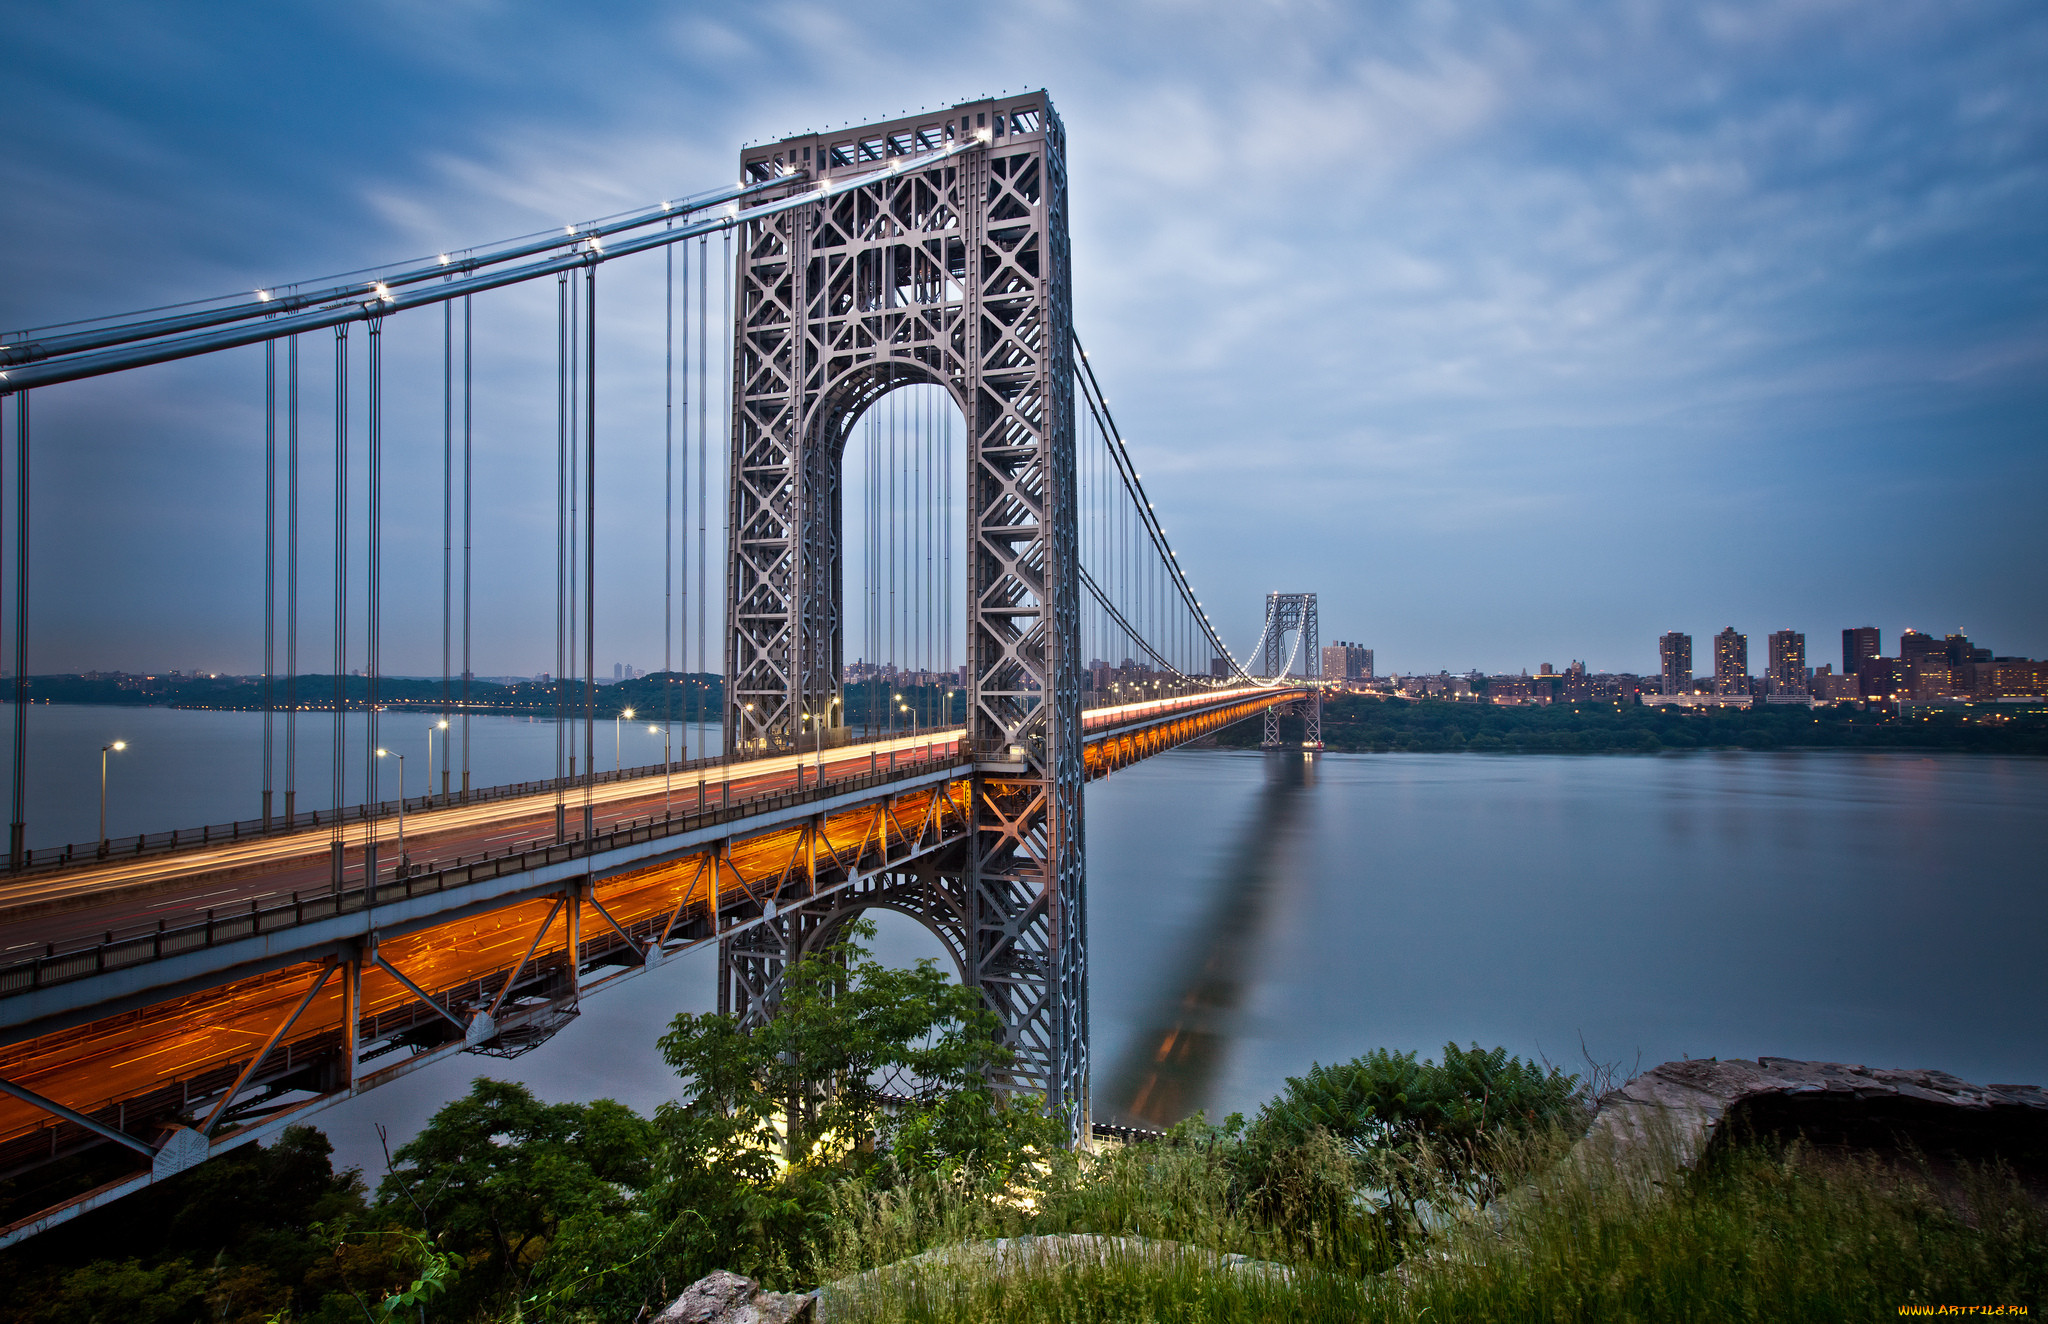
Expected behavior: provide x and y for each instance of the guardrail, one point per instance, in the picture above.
(245, 829)
(90, 958)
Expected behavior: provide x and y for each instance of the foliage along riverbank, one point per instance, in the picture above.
(1385, 1188)
(1361, 724)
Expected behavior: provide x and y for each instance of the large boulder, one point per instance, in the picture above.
(1688, 1107)
(728, 1298)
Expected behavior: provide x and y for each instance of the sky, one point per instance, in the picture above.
(1519, 334)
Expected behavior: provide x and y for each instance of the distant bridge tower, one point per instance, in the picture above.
(1295, 614)
(951, 271)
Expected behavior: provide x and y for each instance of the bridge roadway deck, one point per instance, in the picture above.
(138, 1038)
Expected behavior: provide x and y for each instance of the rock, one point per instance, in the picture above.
(728, 1298)
(1691, 1106)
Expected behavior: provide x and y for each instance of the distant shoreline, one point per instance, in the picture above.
(1354, 724)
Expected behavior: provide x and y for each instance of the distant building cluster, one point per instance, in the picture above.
(1130, 680)
(1927, 670)
(1346, 664)
(860, 673)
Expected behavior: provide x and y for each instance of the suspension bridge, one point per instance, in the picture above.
(869, 356)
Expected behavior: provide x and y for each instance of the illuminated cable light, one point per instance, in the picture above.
(263, 296)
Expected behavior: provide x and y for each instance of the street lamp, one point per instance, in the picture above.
(432, 727)
(402, 863)
(618, 740)
(116, 745)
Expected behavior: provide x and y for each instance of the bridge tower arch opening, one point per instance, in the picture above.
(951, 269)
(901, 558)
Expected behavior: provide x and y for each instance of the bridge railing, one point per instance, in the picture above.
(249, 829)
(220, 925)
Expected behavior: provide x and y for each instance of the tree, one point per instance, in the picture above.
(768, 1115)
(807, 1087)
(494, 1175)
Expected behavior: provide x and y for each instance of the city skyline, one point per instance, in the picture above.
(1576, 288)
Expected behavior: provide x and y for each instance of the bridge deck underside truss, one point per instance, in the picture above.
(523, 965)
(501, 980)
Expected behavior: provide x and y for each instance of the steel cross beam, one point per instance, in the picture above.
(952, 271)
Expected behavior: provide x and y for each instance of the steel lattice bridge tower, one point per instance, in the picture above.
(955, 274)
(1295, 614)
(180, 992)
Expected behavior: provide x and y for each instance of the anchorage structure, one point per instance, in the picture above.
(952, 270)
(1295, 614)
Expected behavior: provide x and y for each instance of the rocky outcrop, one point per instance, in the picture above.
(1686, 1108)
(728, 1298)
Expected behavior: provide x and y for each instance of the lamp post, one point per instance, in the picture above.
(619, 739)
(104, 749)
(432, 727)
(402, 862)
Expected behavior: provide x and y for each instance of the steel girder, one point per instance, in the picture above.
(954, 272)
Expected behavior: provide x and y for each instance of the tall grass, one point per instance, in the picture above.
(1757, 1233)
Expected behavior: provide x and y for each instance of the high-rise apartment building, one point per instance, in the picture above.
(1961, 652)
(1731, 662)
(1863, 644)
(1674, 654)
(1787, 674)
(1346, 662)
(1916, 648)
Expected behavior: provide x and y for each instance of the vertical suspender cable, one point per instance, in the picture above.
(373, 582)
(668, 508)
(466, 546)
(17, 832)
(728, 318)
(867, 569)
(575, 510)
(340, 592)
(952, 670)
(683, 532)
(291, 582)
(894, 537)
(561, 544)
(447, 536)
(703, 468)
(589, 549)
(269, 564)
(928, 428)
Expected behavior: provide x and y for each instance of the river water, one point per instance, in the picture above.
(1251, 914)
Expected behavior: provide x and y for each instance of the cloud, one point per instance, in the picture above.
(1755, 287)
